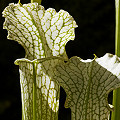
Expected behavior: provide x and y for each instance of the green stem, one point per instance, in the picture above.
(38, 1)
(116, 93)
(117, 39)
(34, 91)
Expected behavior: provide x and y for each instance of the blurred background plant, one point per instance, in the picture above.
(95, 35)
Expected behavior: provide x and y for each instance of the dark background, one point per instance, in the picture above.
(95, 35)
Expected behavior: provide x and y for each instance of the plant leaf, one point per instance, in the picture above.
(40, 95)
(87, 84)
(41, 33)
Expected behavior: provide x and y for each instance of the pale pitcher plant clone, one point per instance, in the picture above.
(87, 83)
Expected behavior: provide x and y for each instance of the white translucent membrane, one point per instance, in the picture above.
(46, 91)
(42, 33)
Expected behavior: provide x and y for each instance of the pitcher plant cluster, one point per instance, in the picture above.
(87, 83)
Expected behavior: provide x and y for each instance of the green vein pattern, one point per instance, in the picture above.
(87, 84)
(42, 33)
(46, 91)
